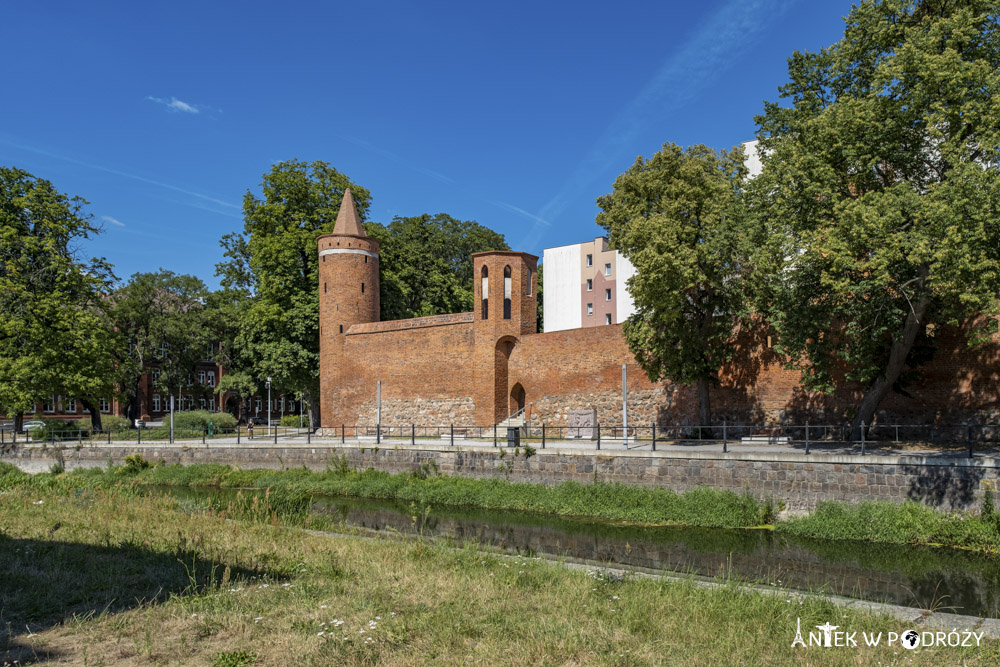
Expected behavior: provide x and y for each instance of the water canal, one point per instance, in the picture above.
(947, 580)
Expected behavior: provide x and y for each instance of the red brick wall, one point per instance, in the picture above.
(426, 374)
(460, 368)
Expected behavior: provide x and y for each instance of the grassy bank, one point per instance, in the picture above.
(898, 523)
(878, 521)
(109, 577)
(609, 502)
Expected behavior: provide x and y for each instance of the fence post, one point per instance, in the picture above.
(451, 431)
(309, 435)
(275, 435)
(413, 434)
(203, 432)
(725, 441)
(52, 434)
(237, 434)
(598, 435)
(968, 436)
(654, 435)
(807, 436)
(138, 435)
(494, 435)
(862, 438)
(343, 434)
(378, 433)
(543, 435)
(109, 436)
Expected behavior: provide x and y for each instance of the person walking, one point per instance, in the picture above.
(250, 428)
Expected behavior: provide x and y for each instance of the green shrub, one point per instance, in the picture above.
(61, 429)
(198, 419)
(292, 421)
(108, 423)
(133, 464)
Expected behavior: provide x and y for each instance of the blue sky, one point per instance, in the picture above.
(516, 115)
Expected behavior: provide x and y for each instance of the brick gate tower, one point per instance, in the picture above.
(348, 294)
(505, 308)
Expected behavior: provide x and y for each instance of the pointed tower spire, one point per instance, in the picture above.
(348, 221)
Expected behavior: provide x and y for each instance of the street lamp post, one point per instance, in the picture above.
(269, 405)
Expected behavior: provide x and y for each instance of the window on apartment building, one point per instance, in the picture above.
(211, 404)
(506, 292)
(607, 294)
(590, 309)
(155, 374)
(590, 284)
(201, 377)
(256, 406)
(163, 349)
(607, 318)
(590, 260)
(211, 378)
(105, 405)
(49, 406)
(202, 403)
(71, 406)
(156, 402)
(486, 293)
(607, 269)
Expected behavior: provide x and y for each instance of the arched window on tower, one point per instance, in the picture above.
(486, 293)
(506, 292)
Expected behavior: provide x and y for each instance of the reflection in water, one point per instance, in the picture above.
(925, 577)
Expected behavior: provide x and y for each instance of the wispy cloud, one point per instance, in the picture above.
(714, 46)
(520, 211)
(199, 198)
(113, 221)
(436, 175)
(174, 104)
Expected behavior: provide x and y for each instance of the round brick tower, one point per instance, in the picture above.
(348, 294)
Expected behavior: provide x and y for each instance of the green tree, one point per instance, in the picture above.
(677, 218)
(425, 263)
(162, 323)
(54, 335)
(274, 261)
(878, 204)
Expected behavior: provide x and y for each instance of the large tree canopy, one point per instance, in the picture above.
(54, 335)
(274, 263)
(426, 263)
(677, 217)
(161, 319)
(879, 203)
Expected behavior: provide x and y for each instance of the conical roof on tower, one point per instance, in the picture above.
(348, 221)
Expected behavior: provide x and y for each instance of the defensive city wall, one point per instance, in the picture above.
(477, 368)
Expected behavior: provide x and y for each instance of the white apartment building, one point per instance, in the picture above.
(584, 286)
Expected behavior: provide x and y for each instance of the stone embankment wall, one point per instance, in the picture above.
(800, 480)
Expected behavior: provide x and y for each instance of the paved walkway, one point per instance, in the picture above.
(610, 445)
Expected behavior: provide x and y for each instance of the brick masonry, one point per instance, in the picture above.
(799, 480)
(476, 368)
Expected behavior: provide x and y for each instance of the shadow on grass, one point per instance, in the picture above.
(47, 582)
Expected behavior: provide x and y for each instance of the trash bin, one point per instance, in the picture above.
(211, 428)
(513, 436)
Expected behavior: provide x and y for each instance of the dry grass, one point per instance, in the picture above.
(112, 578)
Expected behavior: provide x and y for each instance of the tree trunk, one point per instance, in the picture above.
(901, 346)
(95, 415)
(18, 421)
(704, 404)
(313, 410)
